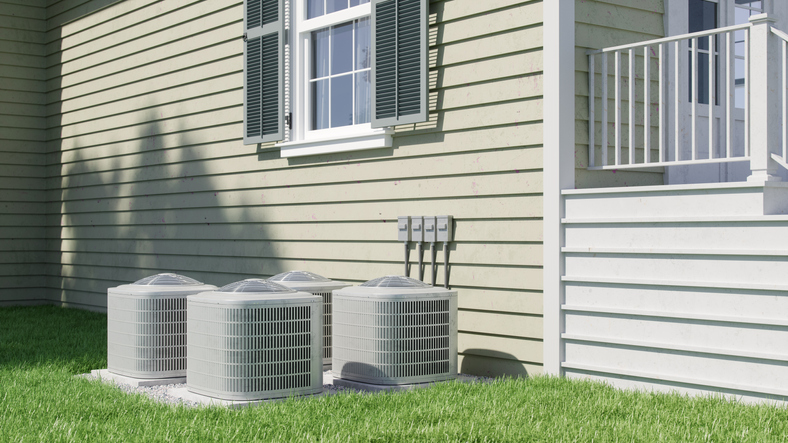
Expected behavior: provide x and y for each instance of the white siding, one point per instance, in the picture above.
(677, 298)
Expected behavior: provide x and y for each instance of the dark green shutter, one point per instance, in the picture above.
(399, 63)
(263, 71)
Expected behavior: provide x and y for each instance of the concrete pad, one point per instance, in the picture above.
(185, 394)
(105, 375)
(372, 387)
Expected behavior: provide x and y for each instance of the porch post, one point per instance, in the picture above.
(559, 165)
(764, 84)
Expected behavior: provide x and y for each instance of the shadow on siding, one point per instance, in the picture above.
(491, 363)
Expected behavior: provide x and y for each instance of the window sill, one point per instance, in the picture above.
(379, 138)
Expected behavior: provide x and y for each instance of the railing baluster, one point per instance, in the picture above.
(661, 102)
(646, 106)
(631, 106)
(694, 77)
(785, 98)
(617, 73)
(747, 92)
(605, 79)
(591, 117)
(711, 96)
(729, 88)
(677, 100)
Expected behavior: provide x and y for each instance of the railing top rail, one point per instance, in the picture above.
(779, 33)
(672, 39)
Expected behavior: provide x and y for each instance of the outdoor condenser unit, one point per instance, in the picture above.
(395, 330)
(254, 340)
(146, 326)
(317, 285)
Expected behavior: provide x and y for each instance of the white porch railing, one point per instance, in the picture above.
(660, 80)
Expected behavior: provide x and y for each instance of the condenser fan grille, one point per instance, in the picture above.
(392, 339)
(146, 336)
(249, 350)
(326, 324)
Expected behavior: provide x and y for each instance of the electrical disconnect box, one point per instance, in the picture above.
(444, 232)
(429, 229)
(403, 228)
(416, 229)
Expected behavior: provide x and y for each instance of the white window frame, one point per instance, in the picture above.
(301, 140)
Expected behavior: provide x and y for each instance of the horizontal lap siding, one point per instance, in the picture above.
(147, 171)
(600, 24)
(22, 135)
(670, 302)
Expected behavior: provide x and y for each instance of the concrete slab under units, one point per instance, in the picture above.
(371, 387)
(105, 374)
(185, 394)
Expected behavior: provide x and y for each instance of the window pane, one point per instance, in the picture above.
(702, 15)
(750, 3)
(739, 91)
(335, 5)
(342, 101)
(362, 44)
(320, 104)
(739, 65)
(739, 68)
(320, 53)
(703, 79)
(314, 8)
(362, 97)
(742, 16)
(739, 49)
(342, 48)
(358, 2)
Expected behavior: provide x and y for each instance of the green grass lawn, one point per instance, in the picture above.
(42, 348)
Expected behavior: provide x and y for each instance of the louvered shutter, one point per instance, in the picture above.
(263, 71)
(399, 63)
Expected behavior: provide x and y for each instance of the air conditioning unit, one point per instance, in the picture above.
(254, 340)
(146, 326)
(317, 285)
(395, 330)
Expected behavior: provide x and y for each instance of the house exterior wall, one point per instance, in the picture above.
(147, 171)
(601, 24)
(22, 124)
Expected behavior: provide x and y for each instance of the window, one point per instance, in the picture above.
(336, 68)
(340, 75)
(703, 16)
(710, 14)
(355, 68)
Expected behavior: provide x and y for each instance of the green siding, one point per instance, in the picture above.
(137, 113)
(22, 171)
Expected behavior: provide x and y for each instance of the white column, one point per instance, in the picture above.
(764, 118)
(559, 164)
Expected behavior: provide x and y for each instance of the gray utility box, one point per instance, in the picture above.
(395, 330)
(317, 285)
(146, 326)
(254, 340)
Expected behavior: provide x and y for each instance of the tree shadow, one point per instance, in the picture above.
(141, 172)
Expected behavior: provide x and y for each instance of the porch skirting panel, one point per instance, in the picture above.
(677, 300)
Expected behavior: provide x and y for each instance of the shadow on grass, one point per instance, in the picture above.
(73, 340)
